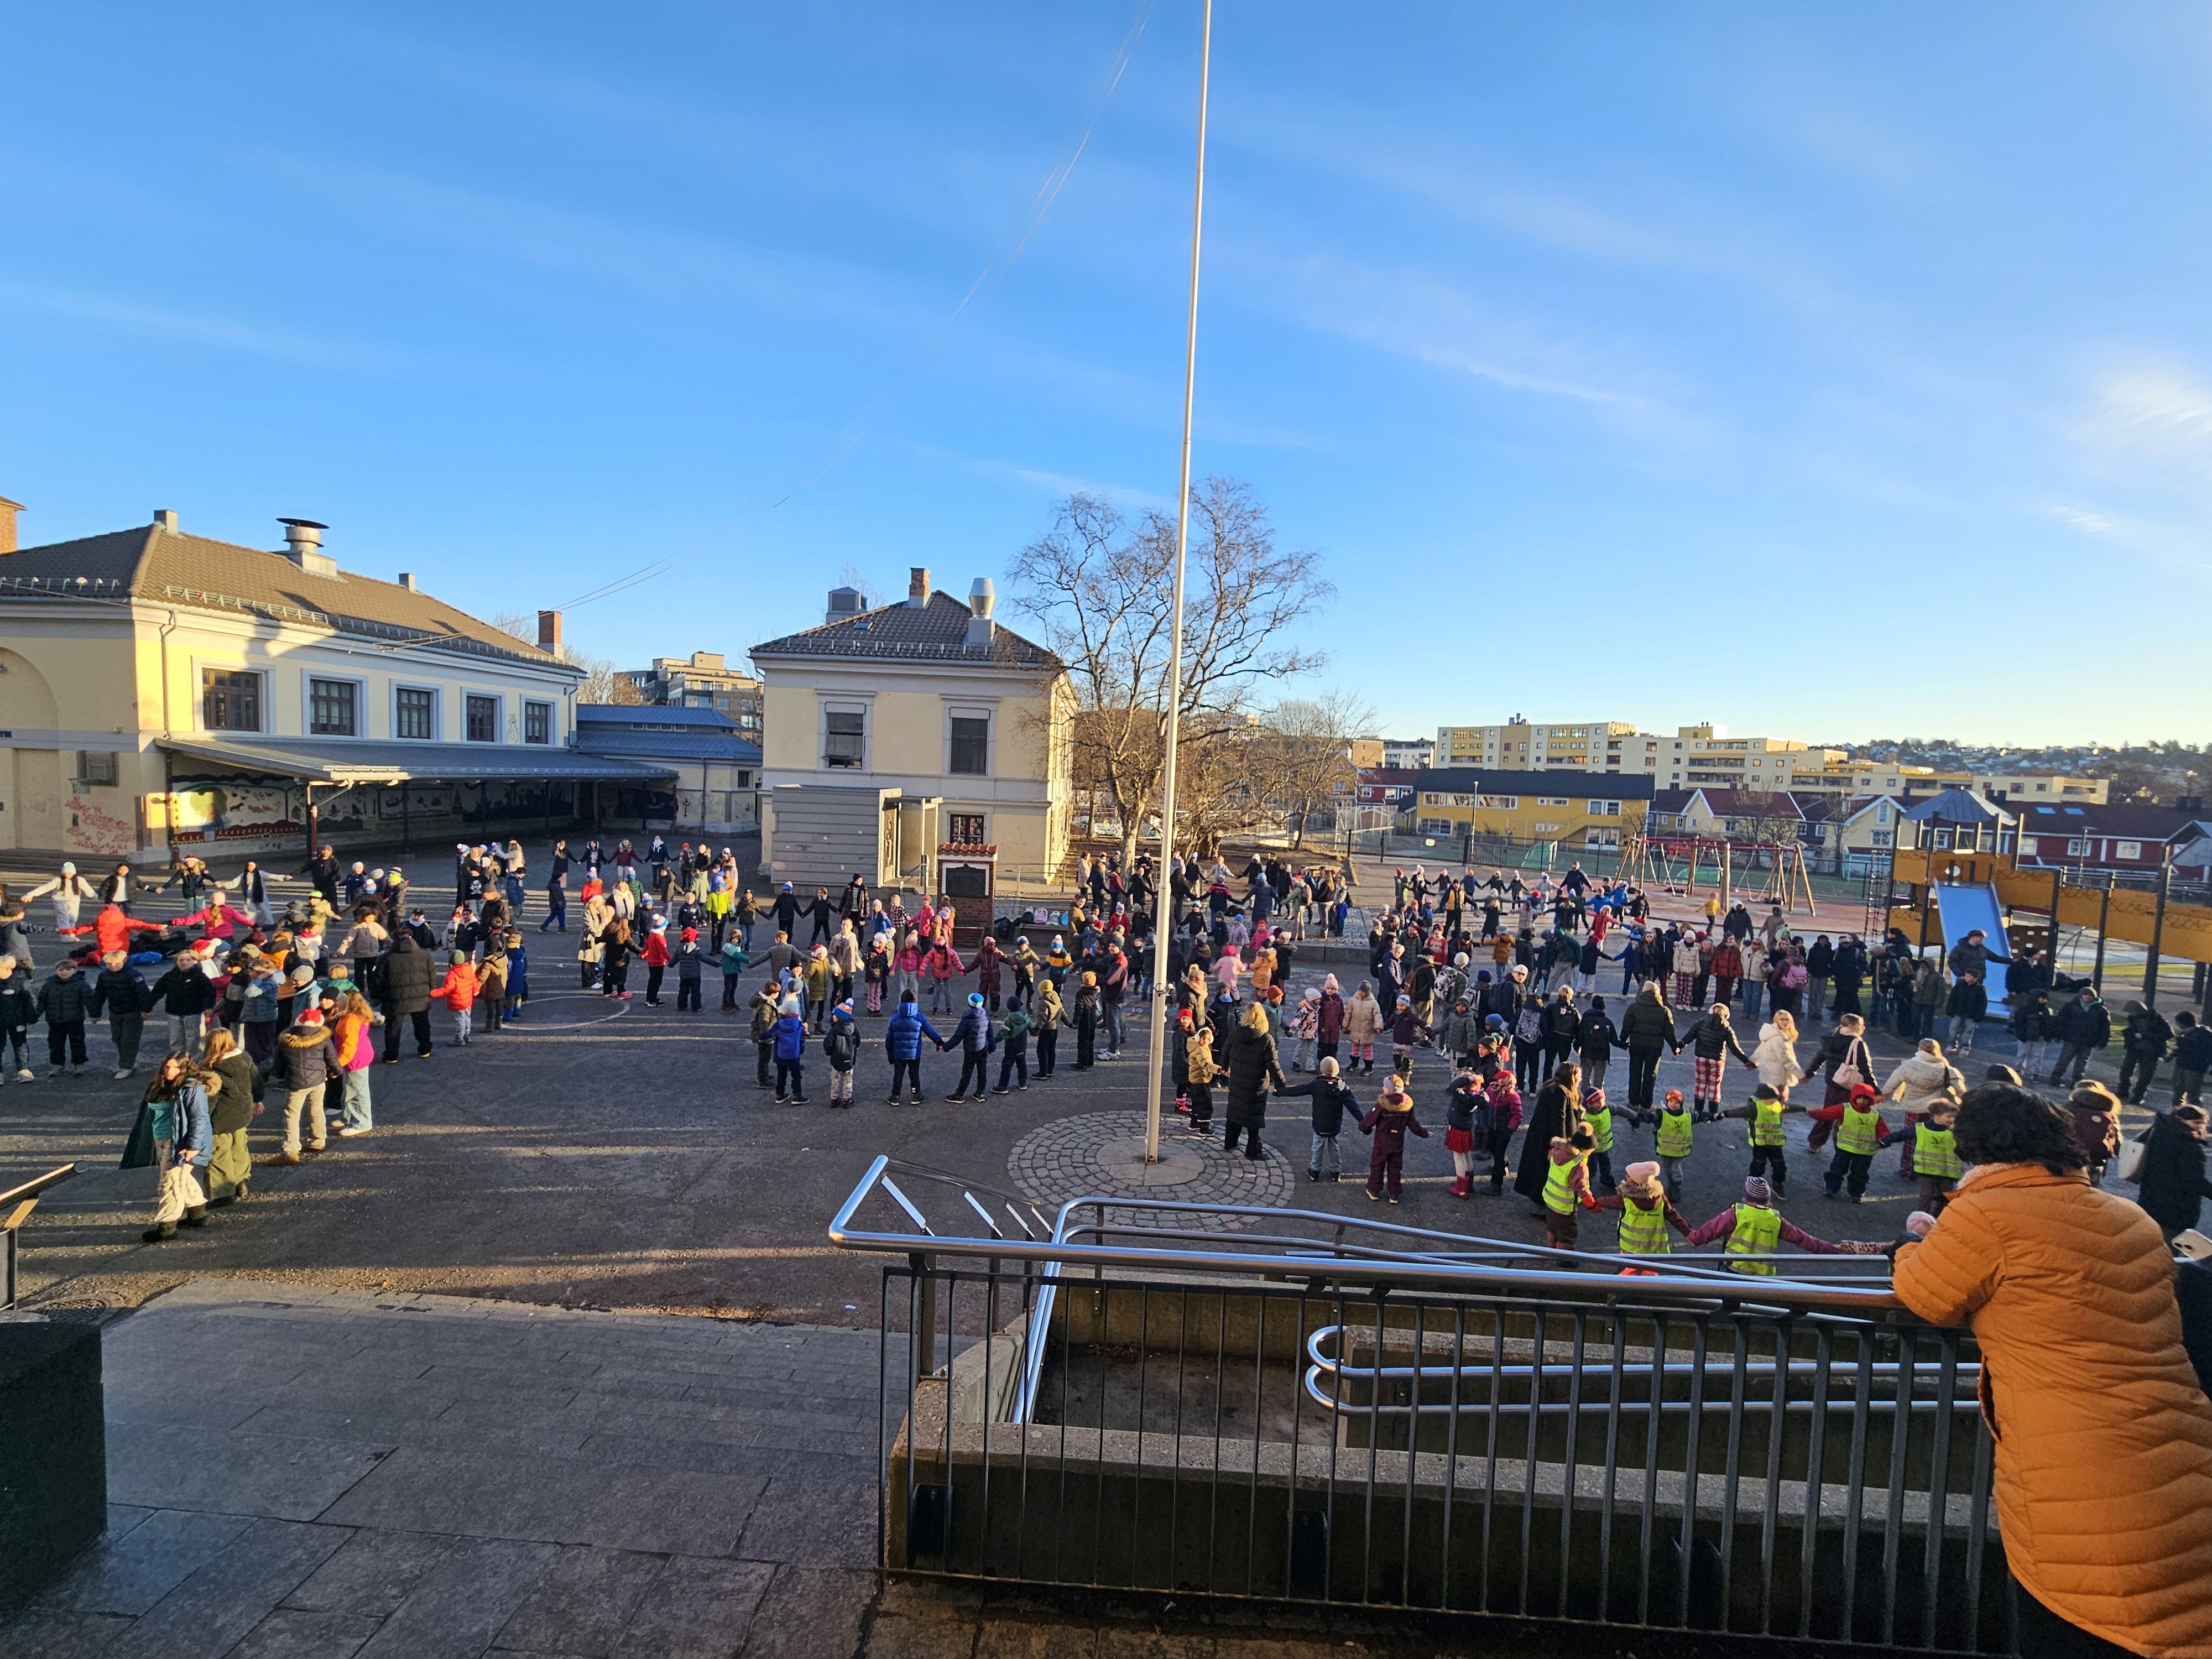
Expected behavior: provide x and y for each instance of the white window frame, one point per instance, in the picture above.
(2078, 847)
(2127, 849)
(437, 730)
(986, 713)
(846, 702)
(1502, 803)
(552, 722)
(308, 678)
(1552, 800)
(1605, 809)
(498, 716)
(1436, 827)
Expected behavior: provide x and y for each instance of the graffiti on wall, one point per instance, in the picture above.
(90, 830)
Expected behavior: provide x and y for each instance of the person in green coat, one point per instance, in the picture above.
(236, 1102)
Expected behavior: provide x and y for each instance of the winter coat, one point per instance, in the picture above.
(1836, 1048)
(1329, 1022)
(1597, 1037)
(1545, 1124)
(1330, 1101)
(64, 1001)
(1563, 1024)
(238, 1093)
(2033, 1021)
(120, 991)
(1918, 1080)
(2104, 1436)
(1461, 1032)
(1776, 1058)
(973, 1034)
(1969, 999)
(407, 975)
(790, 1033)
(2173, 1181)
(19, 1002)
(2085, 1025)
(1253, 1068)
(1648, 1024)
(305, 1058)
(2145, 1035)
(185, 991)
(1362, 1019)
(904, 1030)
(1390, 1129)
(1713, 1036)
(2193, 1050)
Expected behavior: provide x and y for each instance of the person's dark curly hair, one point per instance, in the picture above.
(2001, 1124)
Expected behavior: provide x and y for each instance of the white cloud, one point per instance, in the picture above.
(196, 328)
(2162, 415)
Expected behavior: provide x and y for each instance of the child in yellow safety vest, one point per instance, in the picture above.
(1763, 1112)
(1754, 1230)
(1860, 1133)
(1599, 1116)
(1566, 1184)
(1645, 1214)
(1936, 1159)
(1677, 1123)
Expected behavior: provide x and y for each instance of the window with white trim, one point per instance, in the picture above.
(230, 700)
(538, 723)
(1550, 800)
(1502, 803)
(2127, 849)
(2078, 848)
(845, 738)
(1436, 827)
(414, 713)
(970, 754)
(95, 769)
(334, 708)
(1605, 809)
(481, 719)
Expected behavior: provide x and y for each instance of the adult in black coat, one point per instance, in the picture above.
(1253, 1070)
(1556, 1102)
(407, 976)
(2173, 1187)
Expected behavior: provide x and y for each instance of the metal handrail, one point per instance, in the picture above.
(1061, 1252)
(25, 1198)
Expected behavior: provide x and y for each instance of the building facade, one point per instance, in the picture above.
(161, 692)
(1594, 810)
(942, 736)
(702, 680)
(715, 787)
(1408, 753)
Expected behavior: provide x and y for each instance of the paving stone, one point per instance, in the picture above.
(893, 1636)
(289, 1477)
(49, 1633)
(697, 1609)
(204, 1616)
(1117, 1642)
(810, 1613)
(372, 1573)
(552, 1500)
(582, 1604)
(1006, 1638)
(300, 1633)
(816, 1522)
(459, 1606)
(132, 1573)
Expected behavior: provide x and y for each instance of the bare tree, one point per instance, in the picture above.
(1304, 766)
(602, 681)
(1100, 589)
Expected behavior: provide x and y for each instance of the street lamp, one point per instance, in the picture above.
(1161, 989)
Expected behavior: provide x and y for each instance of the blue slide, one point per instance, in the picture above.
(1963, 910)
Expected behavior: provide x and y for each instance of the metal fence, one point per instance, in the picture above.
(1286, 1406)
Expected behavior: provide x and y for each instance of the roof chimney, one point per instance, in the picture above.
(917, 588)
(549, 631)
(844, 604)
(981, 597)
(165, 519)
(8, 511)
(303, 545)
(407, 580)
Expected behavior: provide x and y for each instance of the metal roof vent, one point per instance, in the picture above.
(303, 546)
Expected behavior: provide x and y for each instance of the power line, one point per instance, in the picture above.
(987, 280)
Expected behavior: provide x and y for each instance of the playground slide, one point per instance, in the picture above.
(1962, 909)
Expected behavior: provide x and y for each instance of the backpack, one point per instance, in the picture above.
(1530, 1026)
(1794, 977)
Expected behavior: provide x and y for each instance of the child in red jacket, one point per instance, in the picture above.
(460, 989)
(1389, 1122)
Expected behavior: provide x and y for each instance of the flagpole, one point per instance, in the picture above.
(1163, 885)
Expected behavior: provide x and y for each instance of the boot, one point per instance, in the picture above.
(155, 1234)
(196, 1217)
(1462, 1187)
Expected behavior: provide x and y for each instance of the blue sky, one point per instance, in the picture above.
(1824, 371)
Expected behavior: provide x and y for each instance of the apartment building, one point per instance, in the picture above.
(1585, 808)
(2045, 786)
(703, 680)
(1522, 745)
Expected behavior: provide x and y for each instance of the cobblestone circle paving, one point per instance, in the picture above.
(1103, 1153)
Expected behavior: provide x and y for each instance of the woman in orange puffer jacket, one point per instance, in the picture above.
(2104, 1437)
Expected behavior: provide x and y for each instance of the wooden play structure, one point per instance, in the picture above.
(1677, 864)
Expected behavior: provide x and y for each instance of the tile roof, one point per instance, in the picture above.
(167, 566)
(935, 632)
(350, 761)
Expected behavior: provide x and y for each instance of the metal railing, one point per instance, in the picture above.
(16, 1206)
(1288, 1404)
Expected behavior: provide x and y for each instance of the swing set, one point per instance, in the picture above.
(1677, 864)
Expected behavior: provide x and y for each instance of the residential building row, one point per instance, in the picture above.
(1704, 755)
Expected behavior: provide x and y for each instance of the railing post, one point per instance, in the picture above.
(921, 1341)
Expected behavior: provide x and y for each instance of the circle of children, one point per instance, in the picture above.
(254, 998)
(1530, 1022)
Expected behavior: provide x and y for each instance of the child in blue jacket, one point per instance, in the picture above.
(789, 1036)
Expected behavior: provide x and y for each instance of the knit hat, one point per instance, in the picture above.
(974, 999)
(1058, 942)
(1404, 1001)
(1593, 1099)
(68, 869)
(821, 950)
(1309, 995)
(1757, 1191)
(310, 1016)
(302, 974)
(1395, 1099)
(1328, 1066)
(1641, 1182)
(1919, 1223)
(690, 934)
(1329, 983)
(458, 957)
